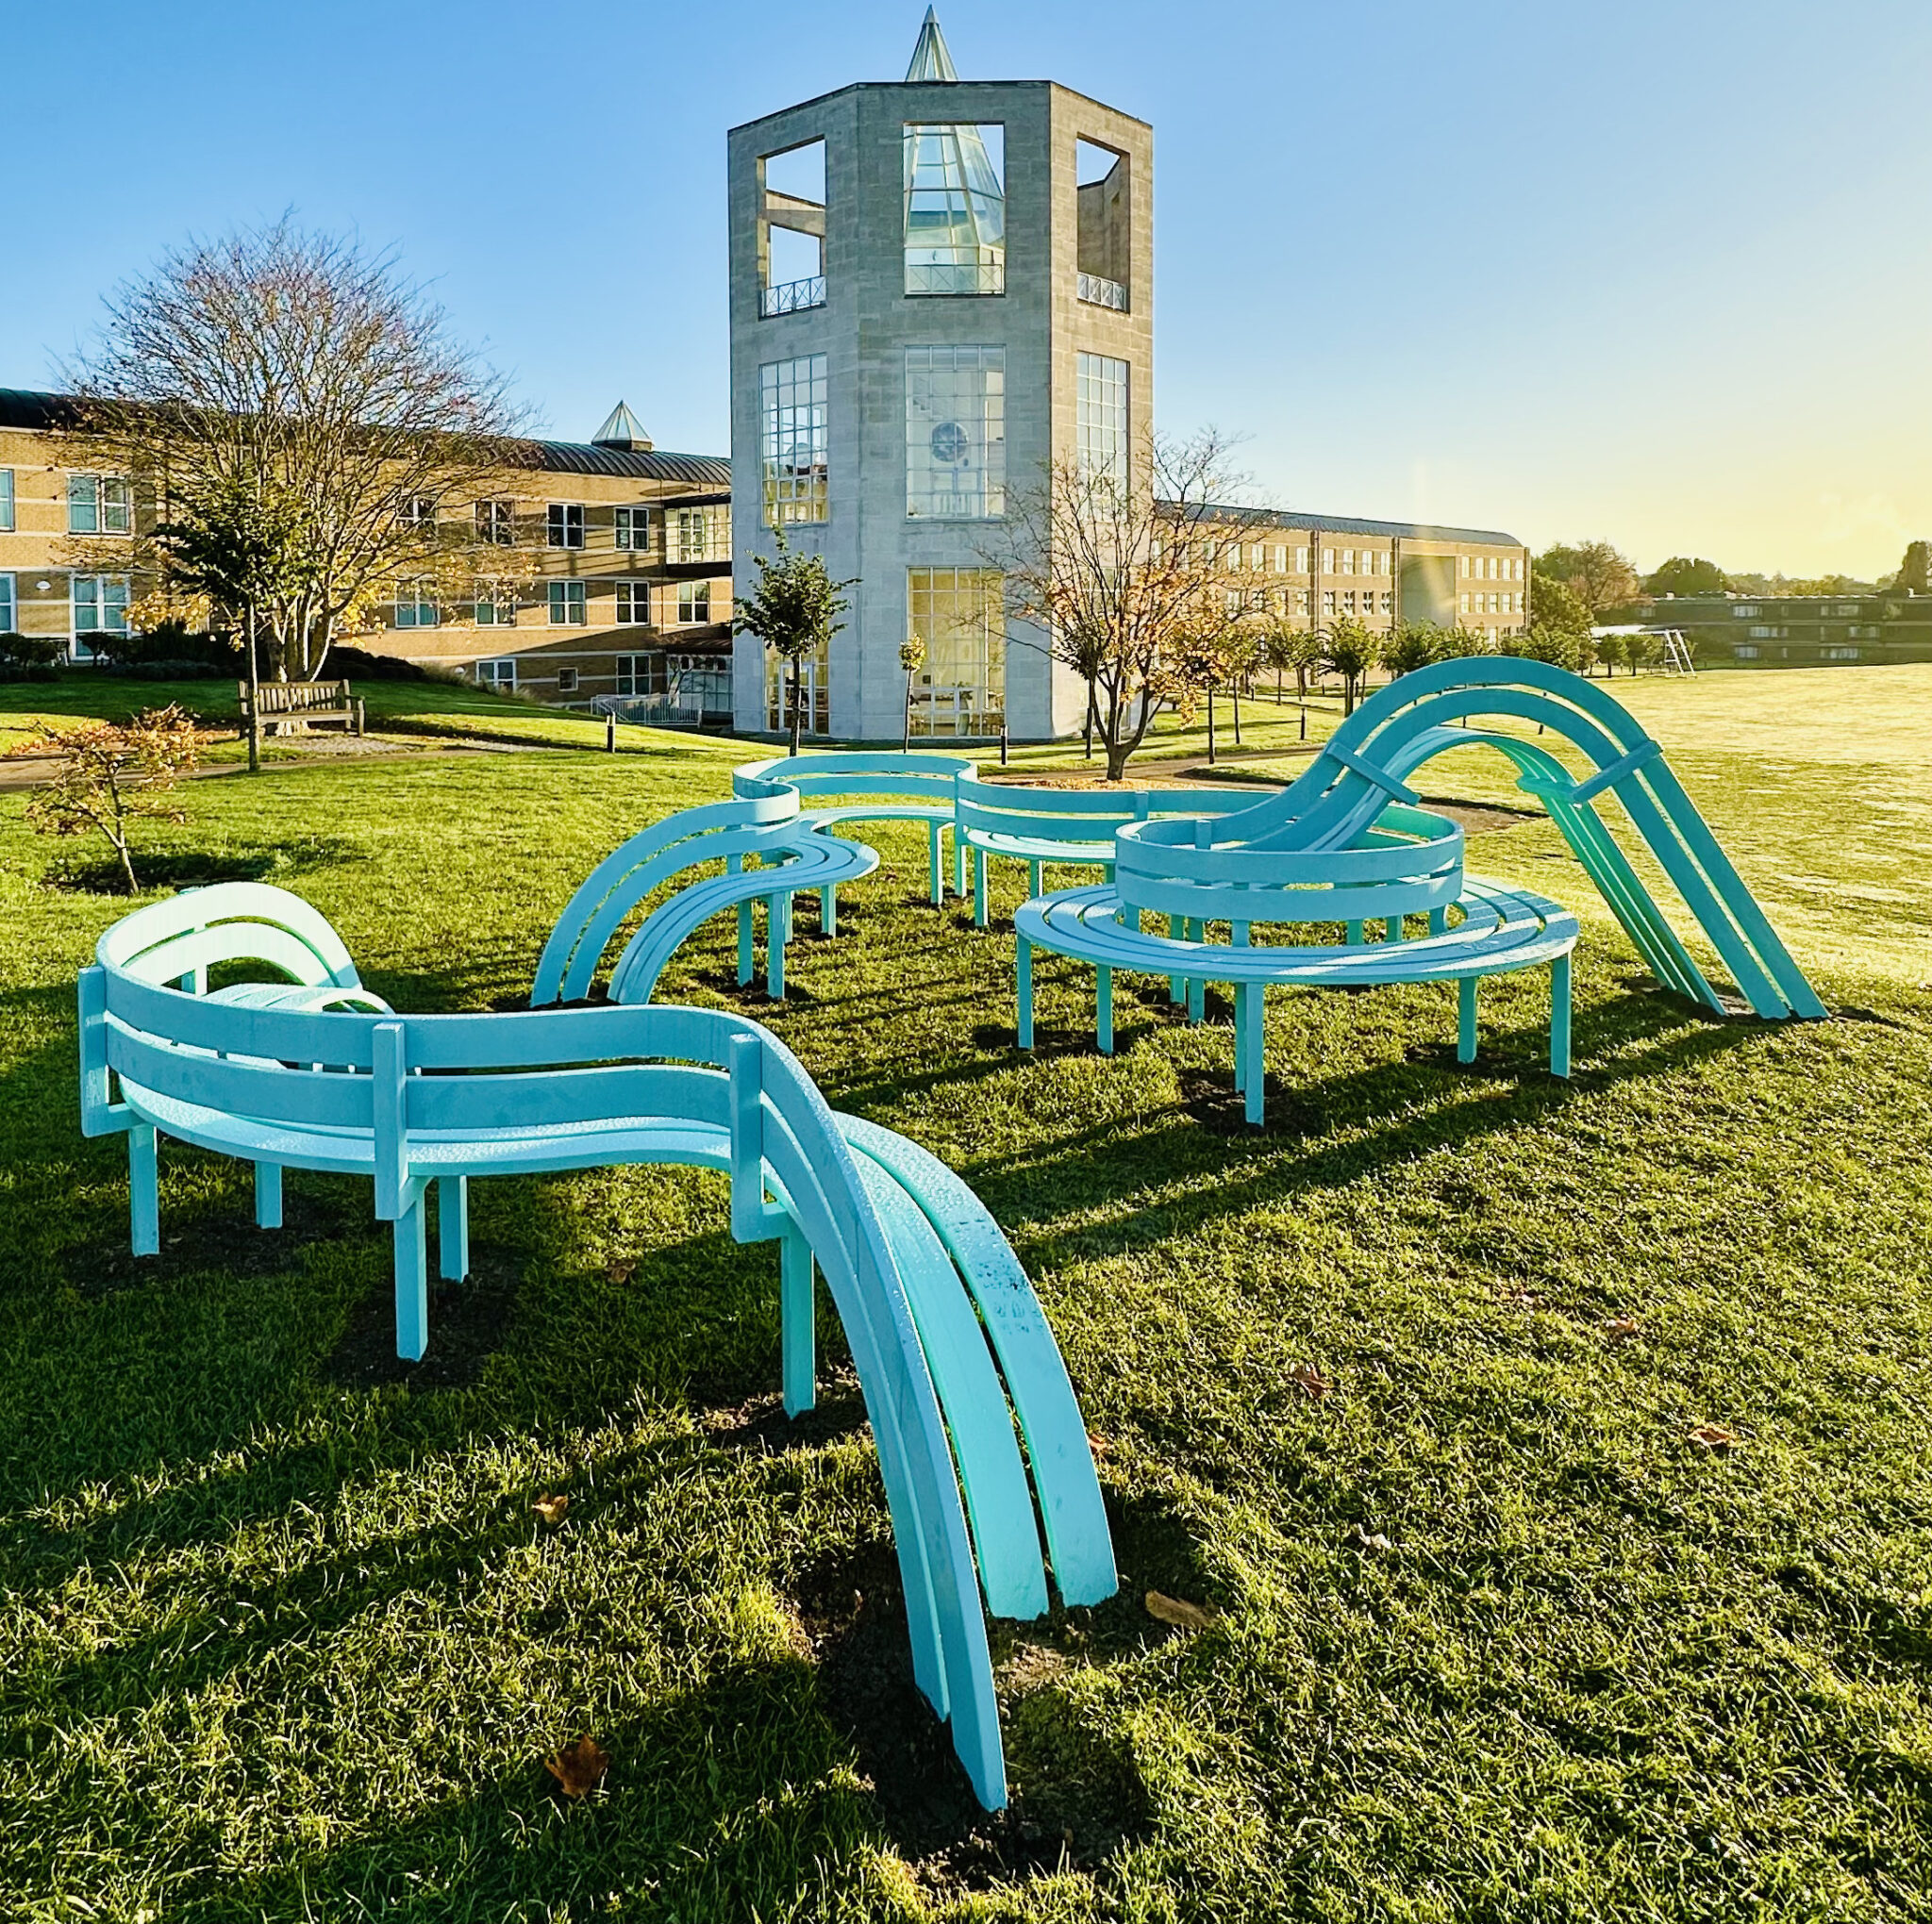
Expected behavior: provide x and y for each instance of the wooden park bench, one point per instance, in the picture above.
(305, 701)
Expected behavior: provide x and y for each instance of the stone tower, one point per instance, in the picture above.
(939, 287)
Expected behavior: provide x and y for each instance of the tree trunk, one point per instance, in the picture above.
(1210, 724)
(1235, 693)
(1093, 704)
(796, 716)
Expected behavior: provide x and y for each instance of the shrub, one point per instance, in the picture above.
(110, 776)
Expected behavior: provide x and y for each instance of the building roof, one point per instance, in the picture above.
(622, 429)
(579, 458)
(931, 58)
(1354, 524)
(27, 408)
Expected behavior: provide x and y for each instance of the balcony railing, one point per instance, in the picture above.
(1098, 292)
(790, 297)
(956, 277)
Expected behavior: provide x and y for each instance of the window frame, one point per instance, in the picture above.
(9, 602)
(496, 523)
(630, 525)
(559, 595)
(631, 593)
(100, 602)
(414, 587)
(566, 681)
(493, 680)
(689, 594)
(561, 519)
(6, 500)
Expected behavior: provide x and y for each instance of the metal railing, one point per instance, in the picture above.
(1098, 292)
(956, 277)
(789, 297)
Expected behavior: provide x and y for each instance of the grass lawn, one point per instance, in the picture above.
(1497, 1639)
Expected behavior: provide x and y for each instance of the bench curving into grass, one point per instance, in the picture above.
(981, 1445)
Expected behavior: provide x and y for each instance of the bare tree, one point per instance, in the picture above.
(1124, 574)
(299, 368)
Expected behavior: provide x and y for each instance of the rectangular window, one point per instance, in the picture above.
(1835, 653)
(1101, 420)
(417, 510)
(496, 674)
(958, 614)
(567, 604)
(1301, 560)
(563, 523)
(634, 528)
(699, 534)
(1348, 601)
(1388, 601)
(496, 605)
(956, 209)
(6, 604)
(566, 681)
(634, 604)
(415, 604)
(5, 502)
(693, 603)
(791, 440)
(1348, 560)
(1744, 653)
(1328, 602)
(100, 604)
(1462, 605)
(1301, 600)
(955, 432)
(496, 523)
(83, 504)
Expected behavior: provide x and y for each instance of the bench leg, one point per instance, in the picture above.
(980, 867)
(1251, 1022)
(959, 865)
(1560, 1017)
(775, 933)
(797, 1337)
(1023, 988)
(268, 1195)
(453, 1227)
(1355, 935)
(144, 1191)
(1177, 985)
(1465, 1019)
(1197, 984)
(1395, 928)
(747, 966)
(1439, 921)
(829, 910)
(412, 1283)
(935, 875)
(1103, 1008)
(1034, 876)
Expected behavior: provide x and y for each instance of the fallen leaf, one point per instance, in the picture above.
(1181, 1615)
(1713, 1437)
(1363, 1540)
(1621, 1329)
(580, 1768)
(1305, 1376)
(552, 1509)
(620, 1273)
(1101, 1447)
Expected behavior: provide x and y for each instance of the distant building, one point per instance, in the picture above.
(1798, 631)
(1320, 569)
(631, 599)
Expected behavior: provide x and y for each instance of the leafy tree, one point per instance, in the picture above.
(1639, 651)
(794, 610)
(1593, 571)
(1286, 647)
(1682, 575)
(109, 775)
(1609, 651)
(1560, 650)
(1915, 571)
(1413, 645)
(1555, 606)
(1126, 576)
(1349, 650)
(301, 368)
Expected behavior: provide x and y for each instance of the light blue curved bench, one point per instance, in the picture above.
(1022, 822)
(958, 1367)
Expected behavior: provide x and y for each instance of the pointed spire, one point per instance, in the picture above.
(930, 60)
(622, 430)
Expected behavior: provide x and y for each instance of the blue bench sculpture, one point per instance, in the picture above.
(956, 1360)
(1344, 860)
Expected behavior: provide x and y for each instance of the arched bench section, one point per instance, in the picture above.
(955, 1359)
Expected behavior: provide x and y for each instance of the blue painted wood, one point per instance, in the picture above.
(268, 1195)
(951, 1350)
(797, 1324)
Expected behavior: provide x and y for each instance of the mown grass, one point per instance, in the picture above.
(1498, 1640)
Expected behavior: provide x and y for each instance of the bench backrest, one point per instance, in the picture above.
(290, 698)
(1083, 815)
(926, 778)
(1410, 863)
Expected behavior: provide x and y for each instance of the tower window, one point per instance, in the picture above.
(791, 440)
(955, 432)
(956, 209)
(1101, 415)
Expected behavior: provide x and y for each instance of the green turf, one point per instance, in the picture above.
(282, 1637)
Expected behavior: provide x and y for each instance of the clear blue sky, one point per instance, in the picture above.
(1655, 272)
